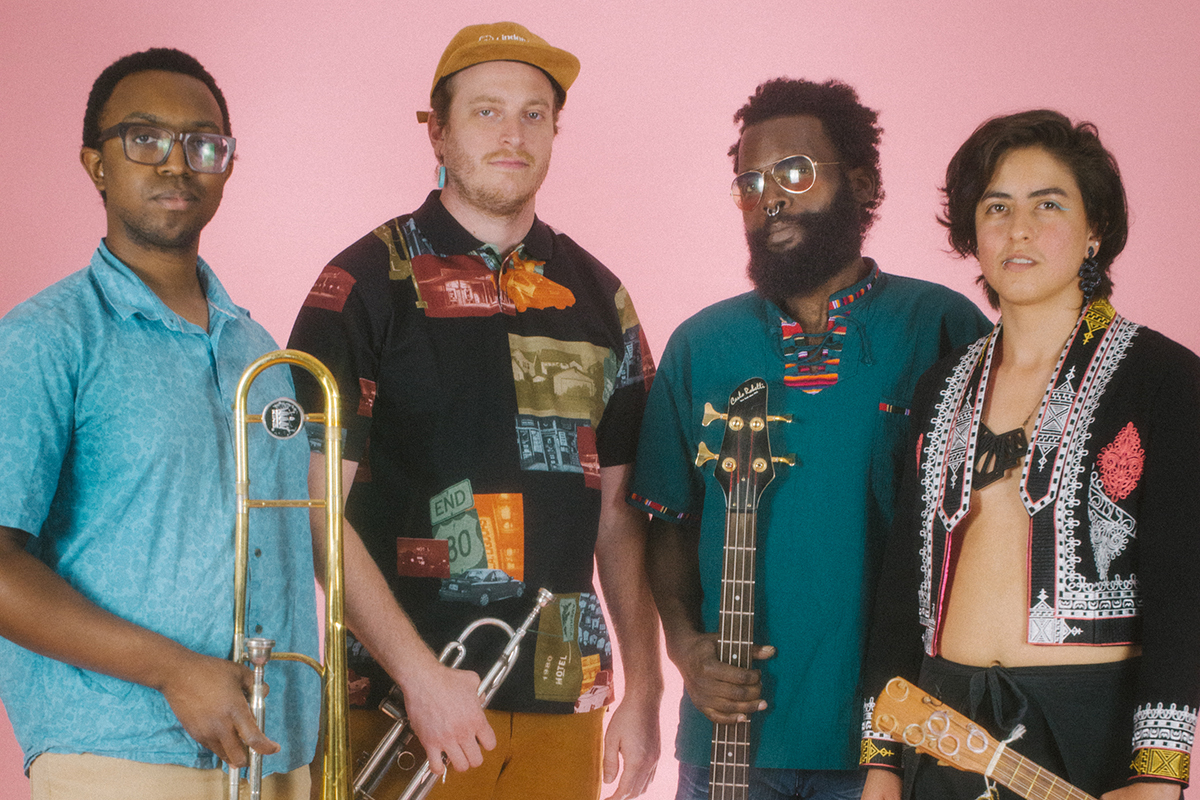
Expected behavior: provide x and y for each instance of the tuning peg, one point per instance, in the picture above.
(789, 459)
(704, 455)
(711, 415)
(779, 417)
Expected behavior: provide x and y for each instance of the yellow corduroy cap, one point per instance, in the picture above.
(503, 41)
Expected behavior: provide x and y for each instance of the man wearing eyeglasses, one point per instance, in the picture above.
(840, 346)
(494, 375)
(117, 492)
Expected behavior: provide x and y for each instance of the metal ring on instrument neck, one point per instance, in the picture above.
(938, 724)
(944, 749)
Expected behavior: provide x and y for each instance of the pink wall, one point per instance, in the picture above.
(322, 103)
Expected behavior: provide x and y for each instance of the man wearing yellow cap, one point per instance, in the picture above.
(494, 375)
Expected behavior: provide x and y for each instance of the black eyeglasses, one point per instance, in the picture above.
(146, 144)
(794, 174)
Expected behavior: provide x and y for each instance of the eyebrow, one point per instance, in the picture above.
(153, 119)
(1049, 191)
(493, 99)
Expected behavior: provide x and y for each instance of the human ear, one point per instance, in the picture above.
(93, 164)
(437, 135)
(863, 185)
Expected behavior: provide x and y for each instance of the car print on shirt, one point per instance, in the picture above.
(481, 586)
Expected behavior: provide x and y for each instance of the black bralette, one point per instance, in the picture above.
(995, 455)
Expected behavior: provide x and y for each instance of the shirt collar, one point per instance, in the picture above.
(840, 299)
(128, 295)
(844, 297)
(448, 237)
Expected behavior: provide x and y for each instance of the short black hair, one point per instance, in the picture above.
(165, 59)
(851, 126)
(1076, 145)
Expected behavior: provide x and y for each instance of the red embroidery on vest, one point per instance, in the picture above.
(1121, 463)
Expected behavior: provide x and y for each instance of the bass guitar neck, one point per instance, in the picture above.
(744, 468)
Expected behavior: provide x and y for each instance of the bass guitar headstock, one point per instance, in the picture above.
(745, 465)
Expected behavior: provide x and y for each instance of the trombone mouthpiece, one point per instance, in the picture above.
(258, 651)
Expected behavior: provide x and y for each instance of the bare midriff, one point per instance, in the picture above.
(987, 610)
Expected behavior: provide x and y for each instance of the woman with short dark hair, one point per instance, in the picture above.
(1049, 525)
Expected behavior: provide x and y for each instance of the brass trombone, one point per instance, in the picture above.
(336, 756)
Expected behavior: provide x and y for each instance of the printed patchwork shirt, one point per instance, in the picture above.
(1110, 482)
(482, 394)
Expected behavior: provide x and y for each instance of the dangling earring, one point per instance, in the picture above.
(1089, 276)
(441, 173)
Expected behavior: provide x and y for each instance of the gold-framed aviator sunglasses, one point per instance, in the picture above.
(150, 145)
(794, 174)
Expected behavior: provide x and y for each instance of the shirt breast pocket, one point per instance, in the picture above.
(887, 457)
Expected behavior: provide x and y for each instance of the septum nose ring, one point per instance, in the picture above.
(774, 211)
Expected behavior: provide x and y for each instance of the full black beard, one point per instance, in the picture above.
(832, 239)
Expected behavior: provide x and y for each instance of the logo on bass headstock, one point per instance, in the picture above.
(745, 460)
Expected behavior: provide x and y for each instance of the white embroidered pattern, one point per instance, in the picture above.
(868, 728)
(1054, 418)
(1045, 627)
(960, 437)
(933, 459)
(1076, 596)
(1109, 526)
(1169, 728)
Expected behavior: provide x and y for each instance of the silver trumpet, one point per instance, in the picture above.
(375, 780)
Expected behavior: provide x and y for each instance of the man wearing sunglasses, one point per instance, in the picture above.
(493, 375)
(840, 346)
(117, 492)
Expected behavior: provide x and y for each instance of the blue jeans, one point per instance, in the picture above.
(779, 784)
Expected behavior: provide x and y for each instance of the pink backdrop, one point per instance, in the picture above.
(322, 99)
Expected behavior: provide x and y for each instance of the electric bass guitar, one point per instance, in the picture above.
(918, 719)
(744, 468)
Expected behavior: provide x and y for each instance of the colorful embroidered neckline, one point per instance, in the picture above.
(811, 360)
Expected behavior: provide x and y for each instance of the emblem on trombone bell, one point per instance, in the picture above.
(283, 418)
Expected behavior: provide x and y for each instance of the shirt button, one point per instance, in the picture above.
(258, 628)
(257, 553)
